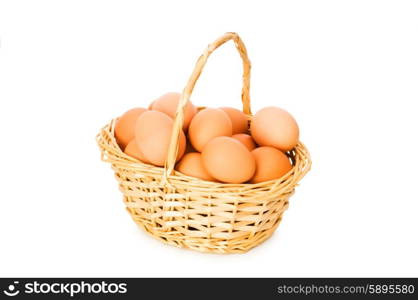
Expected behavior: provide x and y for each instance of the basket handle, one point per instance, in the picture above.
(184, 99)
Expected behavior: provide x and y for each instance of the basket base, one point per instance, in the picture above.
(209, 245)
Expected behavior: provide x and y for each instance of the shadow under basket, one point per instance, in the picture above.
(192, 213)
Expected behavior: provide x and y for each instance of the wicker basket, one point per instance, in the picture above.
(188, 212)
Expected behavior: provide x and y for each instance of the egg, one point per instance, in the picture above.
(168, 103)
(152, 136)
(208, 124)
(238, 118)
(273, 126)
(125, 126)
(246, 140)
(133, 150)
(191, 165)
(228, 160)
(270, 164)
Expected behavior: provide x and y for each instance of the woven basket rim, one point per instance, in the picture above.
(111, 152)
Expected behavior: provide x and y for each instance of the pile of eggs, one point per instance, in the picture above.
(216, 144)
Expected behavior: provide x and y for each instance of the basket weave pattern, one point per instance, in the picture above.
(192, 213)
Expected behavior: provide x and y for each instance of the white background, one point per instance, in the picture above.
(347, 71)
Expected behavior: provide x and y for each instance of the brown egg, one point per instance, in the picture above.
(133, 150)
(125, 126)
(208, 124)
(246, 140)
(168, 103)
(191, 165)
(238, 118)
(152, 136)
(273, 126)
(271, 164)
(228, 160)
